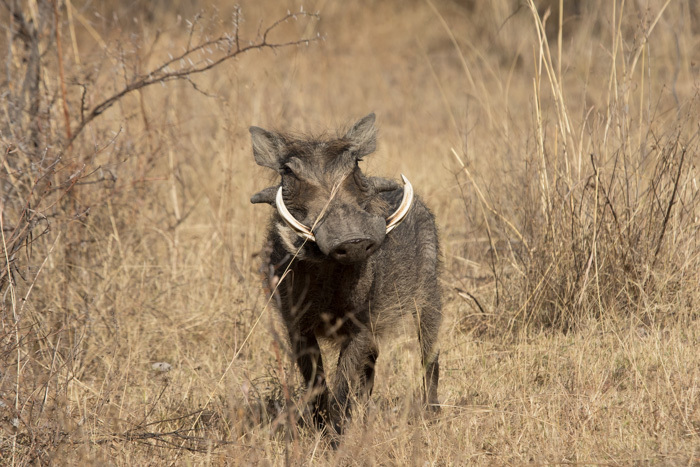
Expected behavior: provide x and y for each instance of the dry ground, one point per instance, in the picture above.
(561, 161)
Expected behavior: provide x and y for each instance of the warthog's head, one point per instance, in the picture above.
(324, 198)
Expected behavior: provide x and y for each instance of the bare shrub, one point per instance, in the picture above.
(610, 231)
(67, 166)
(617, 242)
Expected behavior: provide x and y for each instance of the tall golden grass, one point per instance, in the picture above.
(556, 142)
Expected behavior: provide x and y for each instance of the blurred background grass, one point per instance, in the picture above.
(556, 144)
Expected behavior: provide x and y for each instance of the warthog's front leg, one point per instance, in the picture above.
(354, 376)
(428, 326)
(307, 353)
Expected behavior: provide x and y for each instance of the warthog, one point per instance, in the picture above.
(354, 254)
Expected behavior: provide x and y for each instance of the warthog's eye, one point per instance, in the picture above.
(361, 180)
(286, 171)
(290, 181)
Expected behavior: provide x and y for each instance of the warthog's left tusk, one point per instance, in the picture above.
(391, 222)
(406, 202)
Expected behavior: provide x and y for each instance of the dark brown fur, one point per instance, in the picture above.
(350, 297)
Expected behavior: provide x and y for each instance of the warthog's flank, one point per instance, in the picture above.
(361, 253)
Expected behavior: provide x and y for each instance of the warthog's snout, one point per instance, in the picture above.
(348, 235)
(352, 251)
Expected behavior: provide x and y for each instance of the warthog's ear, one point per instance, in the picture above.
(265, 196)
(363, 137)
(267, 147)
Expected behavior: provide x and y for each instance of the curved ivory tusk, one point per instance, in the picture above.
(391, 222)
(295, 225)
(406, 202)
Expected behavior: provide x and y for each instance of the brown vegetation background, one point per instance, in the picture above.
(557, 147)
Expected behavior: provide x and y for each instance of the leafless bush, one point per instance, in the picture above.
(61, 163)
(41, 162)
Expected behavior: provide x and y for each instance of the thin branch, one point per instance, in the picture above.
(671, 202)
(463, 292)
(61, 73)
(162, 73)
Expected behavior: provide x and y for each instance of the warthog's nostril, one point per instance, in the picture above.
(354, 250)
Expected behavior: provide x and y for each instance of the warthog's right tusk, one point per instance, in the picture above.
(295, 225)
(406, 202)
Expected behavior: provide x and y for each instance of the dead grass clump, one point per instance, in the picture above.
(607, 223)
(620, 241)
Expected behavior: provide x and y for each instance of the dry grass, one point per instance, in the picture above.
(562, 166)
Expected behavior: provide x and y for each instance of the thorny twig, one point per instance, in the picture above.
(163, 73)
